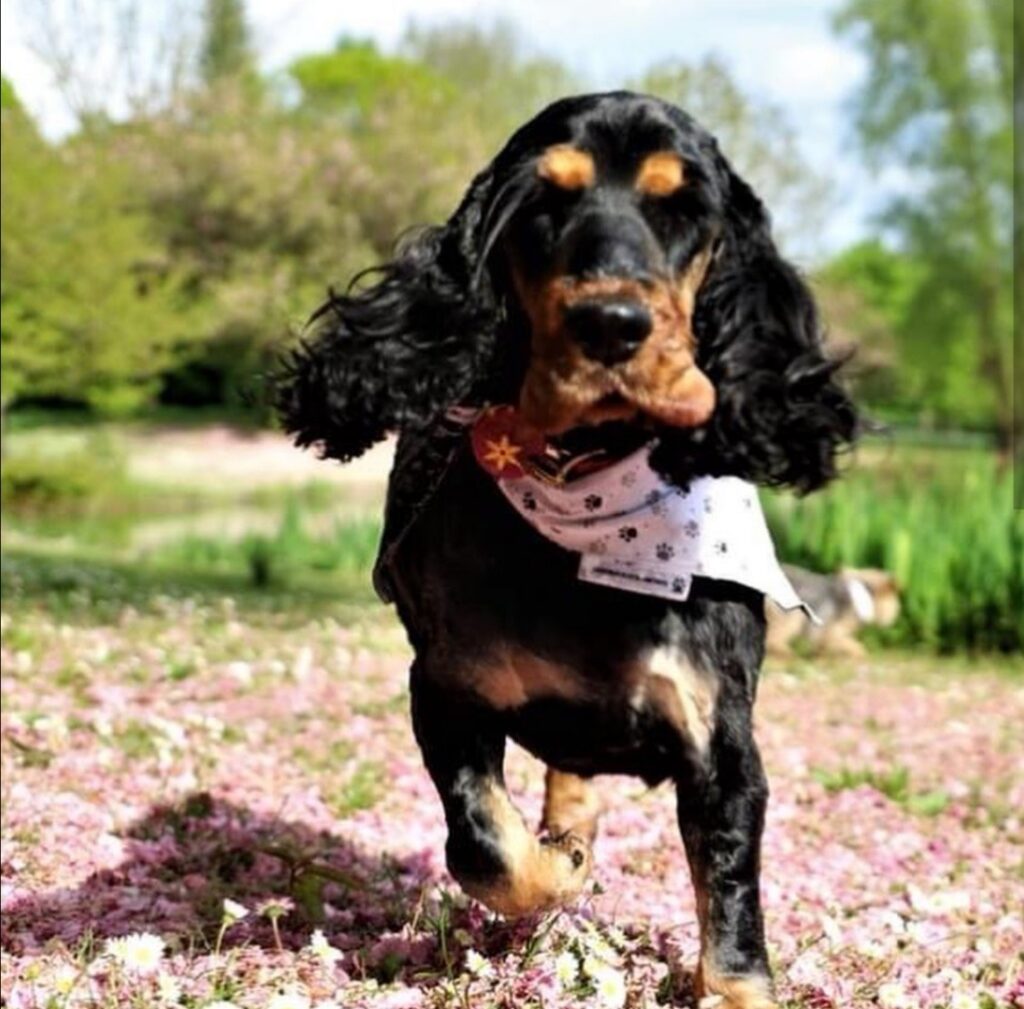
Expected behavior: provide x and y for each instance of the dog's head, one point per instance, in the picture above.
(608, 266)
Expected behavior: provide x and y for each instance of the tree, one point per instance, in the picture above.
(500, 81)
(871, 299)
(756, 138)
(938, 103)
(110, 61)
(226, 51)
(88, 304)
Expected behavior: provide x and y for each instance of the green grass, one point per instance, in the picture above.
(940, 518)
(893, 783)
(85, 587)
(944, 524)
(346, 551)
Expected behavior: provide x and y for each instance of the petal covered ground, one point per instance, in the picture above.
(161, 761)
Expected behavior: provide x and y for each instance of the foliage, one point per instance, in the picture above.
(170, 255)
(345, 549)
(500, 81)
(38, 485)
(948, 532)
(870, 296)
(226, 49)
(89, 309)
(938, 103)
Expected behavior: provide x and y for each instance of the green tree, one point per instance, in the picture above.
(500, 80)
(88, 312)
(938, 104)
(226, 50)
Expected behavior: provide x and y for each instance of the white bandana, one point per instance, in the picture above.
(636, 532)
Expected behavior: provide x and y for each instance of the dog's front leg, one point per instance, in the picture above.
(490, 851)
(721, 816)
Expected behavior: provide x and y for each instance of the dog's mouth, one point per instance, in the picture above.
(566, 387)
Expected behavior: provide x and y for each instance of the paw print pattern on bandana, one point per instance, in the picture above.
(632, 530)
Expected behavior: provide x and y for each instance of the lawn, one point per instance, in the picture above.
(211, 795)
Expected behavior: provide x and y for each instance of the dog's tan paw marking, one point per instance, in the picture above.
(571, 806)
(540, 873)
(716, 992)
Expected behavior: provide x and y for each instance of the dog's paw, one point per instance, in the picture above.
(716, 992)
(545, 874)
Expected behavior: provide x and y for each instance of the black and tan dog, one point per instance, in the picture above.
(611, 277)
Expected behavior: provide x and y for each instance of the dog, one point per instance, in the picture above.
(844, 603)
(606, 299)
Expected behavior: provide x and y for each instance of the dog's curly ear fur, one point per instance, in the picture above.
(396, 354)
(781, 417)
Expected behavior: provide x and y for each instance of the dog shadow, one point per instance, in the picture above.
(181, 862)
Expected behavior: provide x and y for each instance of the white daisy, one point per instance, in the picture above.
(168, 987)
(233, 911)
(477, 965)
(64, 979)
(893, 996)
(610, 988)
(322, 949)
(566, 968)
(140, 952)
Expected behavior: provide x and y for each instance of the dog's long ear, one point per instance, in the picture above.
(781, 417)
(398, 353)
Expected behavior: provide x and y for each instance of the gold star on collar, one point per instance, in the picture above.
(503, 453)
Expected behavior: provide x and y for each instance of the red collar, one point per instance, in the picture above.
(507, 449)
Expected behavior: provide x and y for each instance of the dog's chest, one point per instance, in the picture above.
(588, 677)
(656, 685)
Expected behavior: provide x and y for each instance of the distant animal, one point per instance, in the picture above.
(844, 602)
(589, 367)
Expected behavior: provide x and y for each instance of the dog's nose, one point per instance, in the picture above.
(609, 331)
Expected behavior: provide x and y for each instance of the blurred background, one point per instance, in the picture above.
(183, 180)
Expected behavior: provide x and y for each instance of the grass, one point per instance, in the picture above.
(79, 528)
(943, 523)
(83, 587)
(894, 783)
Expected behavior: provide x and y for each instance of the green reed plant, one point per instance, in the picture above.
(948, 532)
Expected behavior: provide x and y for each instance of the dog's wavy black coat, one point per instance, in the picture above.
(479, 591)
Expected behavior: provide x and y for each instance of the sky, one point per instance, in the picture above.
(780, 50)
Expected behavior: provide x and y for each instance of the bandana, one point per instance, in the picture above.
(633, 530)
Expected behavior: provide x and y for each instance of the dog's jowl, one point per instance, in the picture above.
(590, 368)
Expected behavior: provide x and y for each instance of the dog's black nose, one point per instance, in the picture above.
(609, 331)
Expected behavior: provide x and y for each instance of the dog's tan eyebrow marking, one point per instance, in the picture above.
(661, 174)
(567, 167)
